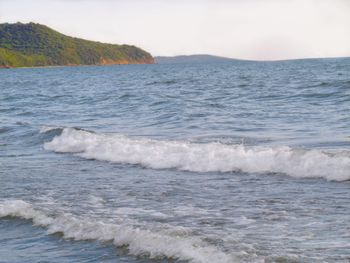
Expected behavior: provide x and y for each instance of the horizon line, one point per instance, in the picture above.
(249, 60)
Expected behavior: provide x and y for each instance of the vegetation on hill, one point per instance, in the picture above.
(29, 45)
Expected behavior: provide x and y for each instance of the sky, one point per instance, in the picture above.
(245, 29)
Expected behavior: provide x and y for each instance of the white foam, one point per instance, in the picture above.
(159, 244)
(209, 157)
(190, 210)
(19, 208)
(130, 211)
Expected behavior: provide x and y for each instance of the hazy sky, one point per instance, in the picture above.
(249, 29)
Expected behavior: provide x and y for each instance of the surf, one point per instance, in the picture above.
(138, 241)
(202, 157)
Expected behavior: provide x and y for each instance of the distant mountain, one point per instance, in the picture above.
(192, 59)
(29, 45)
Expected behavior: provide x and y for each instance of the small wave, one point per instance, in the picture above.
(206, 157)
(46, 129)
(5, 129)
(163, 82)
(140, 242)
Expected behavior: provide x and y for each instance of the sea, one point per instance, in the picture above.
(202, 163)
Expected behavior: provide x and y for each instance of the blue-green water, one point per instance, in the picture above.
(223, 162)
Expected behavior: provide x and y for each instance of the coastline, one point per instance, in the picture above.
(81, 65)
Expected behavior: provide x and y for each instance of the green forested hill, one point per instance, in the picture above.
(30, 45)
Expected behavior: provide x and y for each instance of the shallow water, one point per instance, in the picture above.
(224, 162)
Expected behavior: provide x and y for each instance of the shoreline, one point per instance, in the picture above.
(82, 65)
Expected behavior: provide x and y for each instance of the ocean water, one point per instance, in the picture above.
(215, 163)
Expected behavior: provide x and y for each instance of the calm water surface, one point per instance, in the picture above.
(224, 162)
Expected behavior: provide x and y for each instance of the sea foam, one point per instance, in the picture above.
(140, 242)
(206, 157)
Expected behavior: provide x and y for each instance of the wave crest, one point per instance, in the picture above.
(139, 241)
(208, 157)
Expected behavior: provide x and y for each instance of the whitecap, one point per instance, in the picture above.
(206, 157)
(139, 241)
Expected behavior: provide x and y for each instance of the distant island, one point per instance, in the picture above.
(192, 59)
(36, 45)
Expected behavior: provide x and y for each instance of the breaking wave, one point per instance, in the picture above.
(140, 242)
(206, 157)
